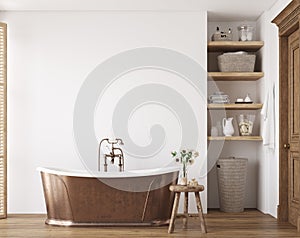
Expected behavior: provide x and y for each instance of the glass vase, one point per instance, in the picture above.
(246, 122)
(183, 177)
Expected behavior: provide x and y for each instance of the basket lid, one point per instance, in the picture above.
(232, 158)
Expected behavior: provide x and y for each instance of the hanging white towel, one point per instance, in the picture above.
(268, 112)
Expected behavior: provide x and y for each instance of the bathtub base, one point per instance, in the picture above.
(94, 201)
(55, 222)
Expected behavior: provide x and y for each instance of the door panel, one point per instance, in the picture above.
(294, 86)
(296, 179)
(295, 110)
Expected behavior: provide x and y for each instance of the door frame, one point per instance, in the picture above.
(3, 120)
(287, 22)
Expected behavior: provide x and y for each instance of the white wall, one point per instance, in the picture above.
(50, 54)
(268, 174)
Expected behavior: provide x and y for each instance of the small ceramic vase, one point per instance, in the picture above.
(228, 129)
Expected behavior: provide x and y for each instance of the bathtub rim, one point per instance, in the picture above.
(101, 174)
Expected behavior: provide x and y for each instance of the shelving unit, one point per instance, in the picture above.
(232, 77)
(235, 85)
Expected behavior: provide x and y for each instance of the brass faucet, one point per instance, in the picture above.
(116, 152)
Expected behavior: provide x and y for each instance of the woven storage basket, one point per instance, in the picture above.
(222, 36)
(232, 173)
(236, 62)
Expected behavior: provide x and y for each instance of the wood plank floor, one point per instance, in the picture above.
(249, 224)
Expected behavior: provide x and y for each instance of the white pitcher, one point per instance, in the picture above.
(228, 129)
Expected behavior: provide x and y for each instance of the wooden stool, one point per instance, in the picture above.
(178, 189)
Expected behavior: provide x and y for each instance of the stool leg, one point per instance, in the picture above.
(186, 207)
(200, 211)
(174, 212)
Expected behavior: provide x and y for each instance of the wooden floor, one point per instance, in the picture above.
(248, 224)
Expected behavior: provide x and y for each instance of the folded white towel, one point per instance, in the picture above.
(236, 53)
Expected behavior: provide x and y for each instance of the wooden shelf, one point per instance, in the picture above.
(235, 138)
(225, 46)
(244, 106)
(234, 76)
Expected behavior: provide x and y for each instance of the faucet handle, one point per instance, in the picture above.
(120, 140)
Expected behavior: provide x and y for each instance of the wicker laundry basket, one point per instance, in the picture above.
(236, 62)
(232, 173)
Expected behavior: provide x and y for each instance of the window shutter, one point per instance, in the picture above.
(3, 120)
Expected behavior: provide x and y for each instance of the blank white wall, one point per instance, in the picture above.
(49, 56)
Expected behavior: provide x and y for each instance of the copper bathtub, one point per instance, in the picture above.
(77, 198)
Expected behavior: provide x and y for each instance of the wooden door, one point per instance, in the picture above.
(288, 22)
(293, 128)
